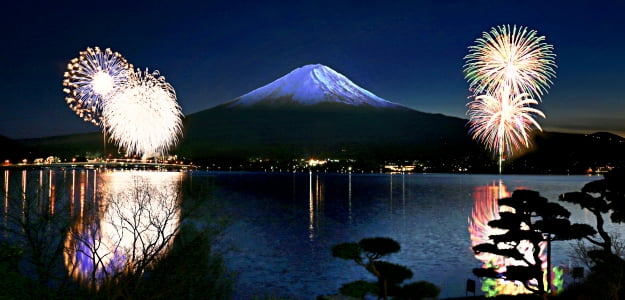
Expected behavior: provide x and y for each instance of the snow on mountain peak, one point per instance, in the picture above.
(310, 85)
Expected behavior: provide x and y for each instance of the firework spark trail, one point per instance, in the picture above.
(92, 79)
(503, 124)
(144, 117)
(516, 58)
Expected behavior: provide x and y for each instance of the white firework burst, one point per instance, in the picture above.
(144, 117)
(93, 78)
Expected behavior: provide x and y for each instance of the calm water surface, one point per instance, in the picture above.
(283, 225)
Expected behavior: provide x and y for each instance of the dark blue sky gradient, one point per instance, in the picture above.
(409, 52)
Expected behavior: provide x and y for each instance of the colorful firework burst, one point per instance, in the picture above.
(507, 70)
(144, 117)
(516, 58)
(92, 79)
(503, 124)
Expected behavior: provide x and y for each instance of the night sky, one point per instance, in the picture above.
(408, 52)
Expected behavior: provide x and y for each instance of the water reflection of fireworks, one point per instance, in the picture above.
(486, 209)
(103, 243)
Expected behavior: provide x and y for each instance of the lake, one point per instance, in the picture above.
(282, 225)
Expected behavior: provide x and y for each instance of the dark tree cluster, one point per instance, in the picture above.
(605, 197)
(368, 253)
(537, 221)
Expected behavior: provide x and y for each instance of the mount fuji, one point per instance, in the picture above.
(311, 85)
(315, 111)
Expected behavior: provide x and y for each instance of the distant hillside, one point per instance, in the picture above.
(555, 152)
(552, 152)
(11, 149)
(324, 130)
(67, 146)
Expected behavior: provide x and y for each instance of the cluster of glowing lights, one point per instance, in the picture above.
(508, 70)
(487, 208)
(140, 109)
(315, 162)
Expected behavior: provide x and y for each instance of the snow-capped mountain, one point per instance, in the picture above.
(311, 85)
(313, 110)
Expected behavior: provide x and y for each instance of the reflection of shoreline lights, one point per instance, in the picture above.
(106, 244)
(486, 208)
(6, 198)
(315, 198)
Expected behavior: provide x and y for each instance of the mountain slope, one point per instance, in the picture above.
(331, 130)
(11, 150)
(556, 152)
(315, 111)
(67, 146)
